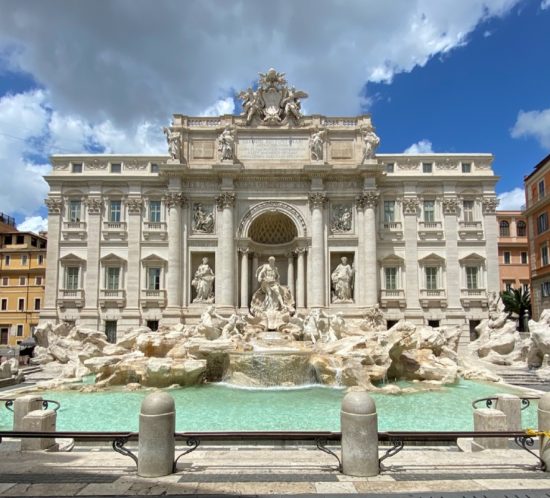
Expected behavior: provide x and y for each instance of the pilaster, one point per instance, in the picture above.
(52, 283)
(450, 212)
(489, 204)
(131, 312)
(225, 279)
(410, 235)
(368, 201)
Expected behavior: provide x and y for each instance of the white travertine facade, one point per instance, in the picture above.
(128, 233)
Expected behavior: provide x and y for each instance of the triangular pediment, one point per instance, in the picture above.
(72, 258)
(153, 259)
(432, 258)
(392, 260)
(472, 258)
(112, 258)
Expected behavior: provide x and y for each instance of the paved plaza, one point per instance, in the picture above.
(271, 470)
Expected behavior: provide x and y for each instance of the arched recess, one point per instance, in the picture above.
(271, 207)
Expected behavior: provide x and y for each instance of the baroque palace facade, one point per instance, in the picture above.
(142, 240)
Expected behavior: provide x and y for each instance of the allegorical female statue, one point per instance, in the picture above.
(342, 282)
(203, 282)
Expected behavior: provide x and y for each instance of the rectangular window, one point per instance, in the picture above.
(466, 167)
(541, 188)
(24, 259)
(7, 259)
(524, 258)
(468, 209)
(116, 168)
(542, 222)
(22, 280)
(37, 304)
(471, 277)
(4, 334)
(71, 277)
(38, 280)
(4, 304)
(427, 167)
(391, 278)
(20, 239)
(155, 168)
(112, 278)
(20, 331)
(389, 211)
(545, 287)
(76, 168)
(21, 304)
(34, 242)
(40, 259)
(429, 211)
(114, 211)
(507, 257)
(8, 239)
(5, 281)
(544, 254)
(431, 277)
(74, 211)
(153, 279)
(509, 286)
(390, 167)
(154, 211)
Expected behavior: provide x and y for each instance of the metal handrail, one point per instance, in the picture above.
(8, 403)
(525, 401)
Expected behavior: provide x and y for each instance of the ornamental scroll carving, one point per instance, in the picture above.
(410, 205)
(174, 199)
(135, 205)
(489, 204)
(367, 200)
(317, 199)
(54, 205)
(96, 164)
(225, 200)
(450, 205)
(446, 164)
(94, 205)
(135, 164)
(408, 164)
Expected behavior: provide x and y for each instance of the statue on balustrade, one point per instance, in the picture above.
(342, 282)
(271, 296)
(203, 282)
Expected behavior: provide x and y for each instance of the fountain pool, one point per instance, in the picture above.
(220, 407)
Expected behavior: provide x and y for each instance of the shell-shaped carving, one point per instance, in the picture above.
(272, 228)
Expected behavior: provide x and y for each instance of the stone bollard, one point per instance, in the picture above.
(359, 425)
(544, 426)
(22, 406)
(510, 405)
(489, 420)
(157, 424)
(39, 421)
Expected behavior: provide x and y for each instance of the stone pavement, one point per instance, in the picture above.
(260, 470)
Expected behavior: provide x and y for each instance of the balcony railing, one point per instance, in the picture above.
(474, 292)
(478, 296)
(153, 298)
(430, 229)
(433, 297)
(391, 230)
(392, 296)
(154, 229)
(70, 297)
(74, 230)
(115, 297)
(470, 230)
(432, 293)
(114, 229)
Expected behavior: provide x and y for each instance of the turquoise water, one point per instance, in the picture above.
(218, 407)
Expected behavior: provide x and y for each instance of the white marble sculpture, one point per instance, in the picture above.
(226, 144)
(373, 319)
(271, 296)
(203, 220)
(341, 218)
(342, 282)
(316, 143)
(203, 282)
(174, 143)
(371, 143)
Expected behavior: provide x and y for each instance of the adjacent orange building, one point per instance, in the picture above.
(537, 213)
(513, 251)
(22, 274)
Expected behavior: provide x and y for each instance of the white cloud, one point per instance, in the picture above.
(534, 124)
(512, 200)
(220, 107)
(33, 224)
(545, 4)
(422, 147)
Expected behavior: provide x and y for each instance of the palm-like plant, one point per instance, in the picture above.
(516, 302)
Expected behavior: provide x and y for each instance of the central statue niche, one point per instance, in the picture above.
(273, 228)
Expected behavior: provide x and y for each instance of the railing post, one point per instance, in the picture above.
(157, 424)
(359, 425)
(489, 420)
(39, 421)
(544, 426)
(22, 406)
(510, 405)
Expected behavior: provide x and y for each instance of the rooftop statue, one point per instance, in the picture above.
(273, 103)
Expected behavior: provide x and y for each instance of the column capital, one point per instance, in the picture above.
(225, 200)
(300, 250)
(489, 204)
(244, 250)
(94, 205)
(367, 199)
(174, 199)
(450, 205)
(317, 199)
(135, 205)
(55, 204)
(410, 205)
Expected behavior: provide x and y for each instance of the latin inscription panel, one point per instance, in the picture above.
(273, 148)
(203, 149)
(341, 149)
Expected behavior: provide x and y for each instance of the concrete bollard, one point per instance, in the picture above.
(157, 424)
(544, 426)
(359, 425)
(23, 406)
(39, 421)
(510, 405)
(489, 420)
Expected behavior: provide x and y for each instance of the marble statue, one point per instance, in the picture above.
(271, 296)
(174, 143)
(341, 218)
(203, 221)
(494, 302)
(372, 141)
(342, 282)
(226, 144)
(203, 282)
(316, 143)
(253, 104)
(374, 319)
(291, 105)
(211, 324)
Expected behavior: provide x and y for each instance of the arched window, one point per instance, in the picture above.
(521, 228)
(504, 229)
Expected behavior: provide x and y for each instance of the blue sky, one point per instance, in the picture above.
(436, 75)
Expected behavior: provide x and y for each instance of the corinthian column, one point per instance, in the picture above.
(368, 200)
(244, 278)
(300, 280)
(53, 280)
(316, 298)
(174, 202)
(225, 279)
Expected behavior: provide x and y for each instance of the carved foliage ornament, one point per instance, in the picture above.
(225, 200)
(490, 204)
(450, 205)
(54, 205)
(367, 200)
(446, 164)
(317, 199)
(94, 205)
(410, 205)
(135, 205)
(174, 199)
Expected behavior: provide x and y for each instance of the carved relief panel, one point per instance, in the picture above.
(203, 218)
(341, 218)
